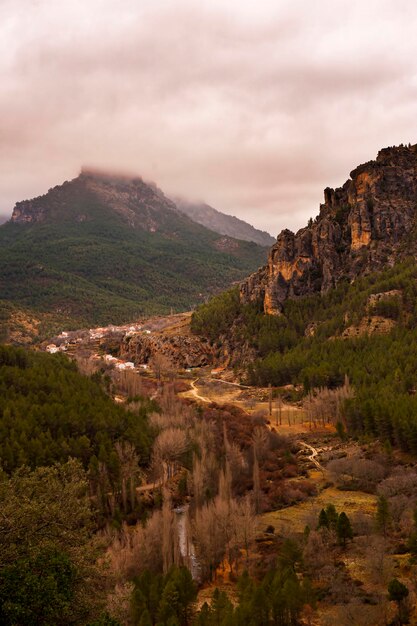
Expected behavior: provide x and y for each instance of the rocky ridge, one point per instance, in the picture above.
(363, 226)
(224, 224)
(139, 204)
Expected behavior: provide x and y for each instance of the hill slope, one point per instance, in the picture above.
(104, 248)
(224, 224)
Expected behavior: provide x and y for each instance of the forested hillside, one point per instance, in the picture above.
(49, 412)
(99, 249)
(365, 330)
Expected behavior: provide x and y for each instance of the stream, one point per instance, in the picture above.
(187, 549)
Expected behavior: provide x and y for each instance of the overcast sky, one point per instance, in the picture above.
(254, 107)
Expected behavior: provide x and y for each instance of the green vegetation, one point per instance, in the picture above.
(305, 346)
(47, 572)
(163, 599)
(343, 529)
(100, 270)
(277, 599)
(50, 412)
(340, 524)
(64, 450)
(398, 593)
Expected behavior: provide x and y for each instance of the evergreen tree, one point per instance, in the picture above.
(332, 516)
(323, 521)
(38, 591)
(398, 593)
(145, 619)
(343, 529)
(383, 516)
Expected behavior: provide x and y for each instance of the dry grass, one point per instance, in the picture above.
(293, 519)
(293, 419)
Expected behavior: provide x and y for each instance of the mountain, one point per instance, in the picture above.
(334, 312)
(363, 226)
(3, 218)
(224, 224)
(106, 248)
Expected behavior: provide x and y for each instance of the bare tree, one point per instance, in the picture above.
(170, 547)
(278, 407)
(169, 446)
(161, 365)
(131, 552)
(245, 525)
(129, 472)
(317, 556)
(325, 405)
(256, 482)
(356, 472)
(129, 382)
(379, 566)
(260, 440)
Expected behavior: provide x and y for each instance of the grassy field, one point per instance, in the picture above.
(293, 519)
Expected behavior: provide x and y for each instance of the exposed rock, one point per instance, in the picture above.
(182, 351)
(374, 298)
(311, 329)
(225, 244)
(362, 227)
(373, 325)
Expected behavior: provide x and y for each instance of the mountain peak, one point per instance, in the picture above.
(137, 203)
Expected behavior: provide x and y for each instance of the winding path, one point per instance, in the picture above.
(313, 455)
(197, 395)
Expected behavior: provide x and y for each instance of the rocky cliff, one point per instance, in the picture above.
(363, 226)
(180, 351)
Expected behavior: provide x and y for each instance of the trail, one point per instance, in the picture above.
(313, 455)
(197, 395)
(149, 487)
(228, 382)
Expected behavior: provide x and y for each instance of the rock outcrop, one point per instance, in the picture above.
(180, 351)
(363, 226)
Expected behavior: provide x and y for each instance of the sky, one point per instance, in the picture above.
(251, 106)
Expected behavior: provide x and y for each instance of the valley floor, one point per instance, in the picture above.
(355, 574)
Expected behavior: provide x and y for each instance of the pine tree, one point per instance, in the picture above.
(398, 593)
(343, 529)
(323, 520)
(383, 516)
(145, 619)
(332, 516)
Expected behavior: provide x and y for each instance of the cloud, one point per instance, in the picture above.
(254, 107)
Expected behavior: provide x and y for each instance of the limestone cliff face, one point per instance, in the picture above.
(361, 227)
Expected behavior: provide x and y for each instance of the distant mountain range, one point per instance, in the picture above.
(224, 224)
(103, 248)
